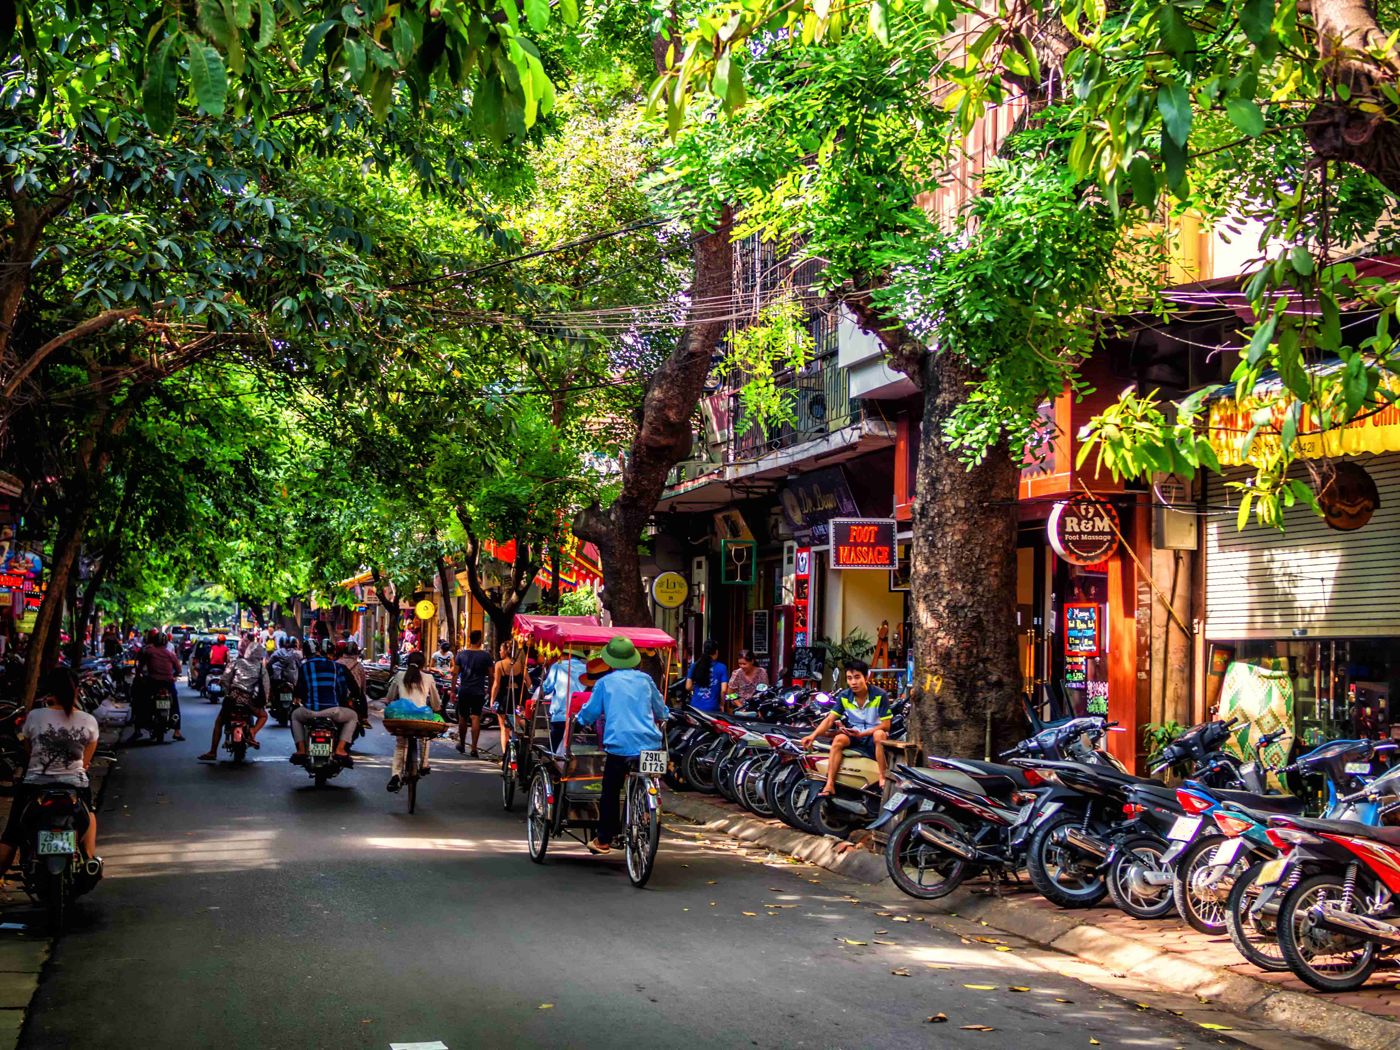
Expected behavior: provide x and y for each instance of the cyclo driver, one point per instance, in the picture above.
(632, 711)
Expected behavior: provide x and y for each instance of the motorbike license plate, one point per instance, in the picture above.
(653, 763)
(1271, 872)
(1184, 829)
(1358, 768)
(319, 748)
(1227, 851)
(163, 705)
(57, 843)
(895, 800)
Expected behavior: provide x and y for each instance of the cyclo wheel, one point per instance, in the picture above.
(643, 833)
(538, 822)
(508, 762)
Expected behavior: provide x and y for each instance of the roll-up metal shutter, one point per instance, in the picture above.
(1262, 583)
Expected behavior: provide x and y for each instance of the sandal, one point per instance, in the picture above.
(253, 743)
(597, 848)
(826, 794)
(208, 756)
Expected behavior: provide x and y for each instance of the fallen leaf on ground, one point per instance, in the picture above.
(882, 931)
(712, 882)
(1002, 948)
(901, 972)
(978, 1028)
(751, 914)
(858, 944)
(987, 940)
(1093, 1041)
(890, 943)
(1058, 999)
(1017, 988)
(1215, 1027)
(938, 1019)
(766, 905)
(1142, 1006)
(712, 904)
(981, 987)
(886, 914)
(900, 918)
(546, 1006)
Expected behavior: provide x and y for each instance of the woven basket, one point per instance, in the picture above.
(415, 727)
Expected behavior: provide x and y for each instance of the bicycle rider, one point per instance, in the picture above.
(633, 712)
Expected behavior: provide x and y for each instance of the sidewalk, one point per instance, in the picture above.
(24, 951)
(1168, 954)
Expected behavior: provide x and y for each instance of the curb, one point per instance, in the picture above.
(1065, 932)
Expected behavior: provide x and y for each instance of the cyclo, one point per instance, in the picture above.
(565, 787)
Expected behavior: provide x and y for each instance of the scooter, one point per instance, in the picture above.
(281, 704)
(214, 689)
(54, 870)
(237, 730)
(858, 796)
(322, 764)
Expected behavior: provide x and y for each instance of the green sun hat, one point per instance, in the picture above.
(620, 653)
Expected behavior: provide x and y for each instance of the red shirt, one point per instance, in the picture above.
(218, 654)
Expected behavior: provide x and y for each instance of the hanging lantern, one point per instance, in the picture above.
(1347, 495)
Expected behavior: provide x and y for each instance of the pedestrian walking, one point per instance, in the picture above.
(507, 683)
(473, 670)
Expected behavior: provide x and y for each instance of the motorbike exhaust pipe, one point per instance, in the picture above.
(947, 843)
(1334, 917)
(1084, 842)
(93, 866)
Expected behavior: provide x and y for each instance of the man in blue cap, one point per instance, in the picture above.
(632, 711)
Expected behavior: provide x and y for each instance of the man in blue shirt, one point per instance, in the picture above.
(561, 681)
(324, 689)
(864, 711)
(631, 708)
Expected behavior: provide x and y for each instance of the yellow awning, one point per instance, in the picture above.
(1373, 431)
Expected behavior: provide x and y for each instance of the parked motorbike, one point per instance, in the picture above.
(859, 795)
(54, 870)
(962, 817)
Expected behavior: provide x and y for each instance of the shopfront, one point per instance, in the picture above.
(1310, 616)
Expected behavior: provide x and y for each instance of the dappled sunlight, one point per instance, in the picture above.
(453, 845)
(239, 851)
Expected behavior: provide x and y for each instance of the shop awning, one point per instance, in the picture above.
(1373, 431)
(593, 636)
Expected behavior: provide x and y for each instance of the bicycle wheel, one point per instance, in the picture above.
(410, 773)
(643, 830)
(537, 818)
(508, 763)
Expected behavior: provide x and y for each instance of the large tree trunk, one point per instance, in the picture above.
(43, 639)
(501, 612)
(965, 694)
(967, 679)
(664, 434)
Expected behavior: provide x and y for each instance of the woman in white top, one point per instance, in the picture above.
(61, 741)
(413, 685)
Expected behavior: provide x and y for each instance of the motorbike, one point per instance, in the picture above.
(237, 729)
(1207, 869)
(962, 817)
(214, 688)
(858, 796)
(321, 761)
(54, 870)
(281, 703)
(162, 716)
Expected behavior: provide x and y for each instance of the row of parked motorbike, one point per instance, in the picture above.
(1225, 851)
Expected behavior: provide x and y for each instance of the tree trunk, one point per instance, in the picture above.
(43, 639)
(664, 435)
(392, 608)
(445, 581)
(501, 613)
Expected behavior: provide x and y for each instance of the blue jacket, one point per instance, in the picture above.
(630, 705)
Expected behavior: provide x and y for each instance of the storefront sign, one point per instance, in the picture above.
(1076, 672)
(1348, 497)
(864, 543)
(425, 610)
(1082, 629)
(670, 590)
(808, 664)
(801, 593)
(1231, 427)
(1083, 530)
(812, 500)
(760, 632)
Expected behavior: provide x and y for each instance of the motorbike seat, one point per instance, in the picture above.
(994, 775)
(1157, 793)
(1256, 803)
(1354, 828)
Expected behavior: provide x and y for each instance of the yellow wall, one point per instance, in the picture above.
(866, 599)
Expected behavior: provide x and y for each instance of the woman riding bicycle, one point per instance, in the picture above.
(417, 688)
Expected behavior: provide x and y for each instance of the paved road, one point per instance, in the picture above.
(243, 908)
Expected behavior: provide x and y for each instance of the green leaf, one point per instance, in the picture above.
(1144, 182)
(879, 27)
(208, 75)
(1302, 260)
(1242, 518)
(213, 19)
(1289, 430)
(1177, 37)
(1246, 115)
(1015, 64)
(313, 41)
(1174, 160)
(354, 53)
(1256, 19)
(1263, 336)
(158, 92)
(537, 14)
(719, 83)
(1174, 103)
(568, 11)
(267, 24)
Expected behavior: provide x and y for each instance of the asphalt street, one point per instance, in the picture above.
(244, 908)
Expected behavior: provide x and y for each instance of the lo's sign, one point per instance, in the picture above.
(863, 543)
(1083, 530)
(670, 590)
